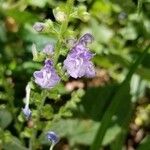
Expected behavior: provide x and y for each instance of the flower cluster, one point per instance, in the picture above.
(78, 62)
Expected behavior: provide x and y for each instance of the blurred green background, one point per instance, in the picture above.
(121, 30)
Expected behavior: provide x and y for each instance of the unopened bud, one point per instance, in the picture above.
(53, 137)
(83, 14)
(48, 23)
(38, 26)
(86, 16)
(36, 55)
(34, 52)
(48, 49)
(59, 14)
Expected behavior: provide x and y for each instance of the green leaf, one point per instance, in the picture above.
(3, 37)
(14, 144)
(38, 3)
(129, 32)
(5, 118)
(111, 134)
(144, 73)
(81, 131)
(140, 2)
(146, 61)
(47, 112)
(104, 33)
(22, 16)
(122, 95)
(28, 35)
(111, 59)
(94, 107)
(144, 144)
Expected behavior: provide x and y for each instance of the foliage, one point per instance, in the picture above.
(95, 113)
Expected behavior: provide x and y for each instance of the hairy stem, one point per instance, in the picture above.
(63, 29)
(34, 130)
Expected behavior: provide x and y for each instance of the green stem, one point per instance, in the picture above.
(34, 130)
(115, 104)
(51, 147)
(63, 29)
(139, 7)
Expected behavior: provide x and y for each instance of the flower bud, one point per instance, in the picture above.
(34, 52)
(83, 14)
(48, 24)
(27, 112)
(59, 14)
(44, 27)
(36, 55)
(48, 49)
(53, 137)
(39, 26)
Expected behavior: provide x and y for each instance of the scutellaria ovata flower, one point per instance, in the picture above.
(53, 137)
(26, 110)
(78, 62)
(46, 77)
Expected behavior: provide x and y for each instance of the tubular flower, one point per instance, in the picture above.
(26, 110)
(78, 62)
(46, 77)
(53, 137)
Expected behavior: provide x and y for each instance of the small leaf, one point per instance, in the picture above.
(47, 112)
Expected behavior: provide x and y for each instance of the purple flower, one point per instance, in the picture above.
(38, 26)
(48, 49)
(86, 38)
(27, 112)
(46, 77)
(78, 62)
(53, 137)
